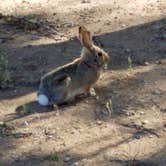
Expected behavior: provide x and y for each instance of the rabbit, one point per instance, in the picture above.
(66, 82)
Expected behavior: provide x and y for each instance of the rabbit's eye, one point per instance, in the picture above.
(99, 54)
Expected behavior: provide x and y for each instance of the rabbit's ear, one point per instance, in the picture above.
(85, 37)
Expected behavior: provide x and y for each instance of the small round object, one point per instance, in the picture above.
(43, 100)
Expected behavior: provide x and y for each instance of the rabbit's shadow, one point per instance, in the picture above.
(34, 107)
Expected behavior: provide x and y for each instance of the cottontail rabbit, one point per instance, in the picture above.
(64, 83)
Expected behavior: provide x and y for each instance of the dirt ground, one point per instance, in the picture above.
(84, 133)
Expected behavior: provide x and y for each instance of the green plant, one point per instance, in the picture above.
(54, 157)
(120, 77)
(25, 109)
(5, 67)
(130, 63)
(3, 125)
(109, 106)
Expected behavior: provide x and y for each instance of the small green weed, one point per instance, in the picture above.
(109, 105)
(25, 109)
(120, 77)
(3, 125)
(130, 63)
(54, 157)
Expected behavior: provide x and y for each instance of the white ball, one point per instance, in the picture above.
(43, 100)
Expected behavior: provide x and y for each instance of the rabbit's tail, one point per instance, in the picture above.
(43, 100)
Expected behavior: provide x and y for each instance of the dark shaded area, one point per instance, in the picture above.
(26, 24)
(37, 158)
(142, 43)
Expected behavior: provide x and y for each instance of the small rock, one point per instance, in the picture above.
(75, 164)
(25, 123)
(145, 122)
(138, 135)
(123, 25)
(156, 92)
(49, 136)
(99, 122)
(150, 136)
(142, 113)
(85, 1)
(163, 110)
(67, 158)
(146, 63)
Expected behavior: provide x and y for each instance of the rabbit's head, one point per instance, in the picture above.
(91, 54)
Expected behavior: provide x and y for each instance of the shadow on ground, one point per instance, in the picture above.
(155, 159)
(142, 43)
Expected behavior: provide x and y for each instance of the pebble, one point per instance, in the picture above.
(75, 164)
(99, 122)
(123, 25)
(25, 123)
(150, 136)
(145, 122)
(138, 135)
(146, 63)
(85, 1)
(142, 113)
(49, 136)
(67, 158)
(156, 92)
(163, 110)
